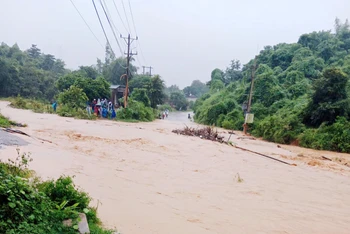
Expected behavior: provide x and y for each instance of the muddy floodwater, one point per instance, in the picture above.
(146, 179)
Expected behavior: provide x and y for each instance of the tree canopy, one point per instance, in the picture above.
(29, 73)
(298, 87)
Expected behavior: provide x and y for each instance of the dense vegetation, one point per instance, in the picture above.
(30, 205)
(42, 79)
(301, 92)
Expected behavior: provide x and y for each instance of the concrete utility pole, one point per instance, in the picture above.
(129, 54)
(245, 125)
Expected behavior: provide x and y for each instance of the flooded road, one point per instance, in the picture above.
(147, 179)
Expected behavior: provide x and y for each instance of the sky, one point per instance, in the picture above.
(183, 40)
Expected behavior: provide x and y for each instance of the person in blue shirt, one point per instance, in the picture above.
(54, 106)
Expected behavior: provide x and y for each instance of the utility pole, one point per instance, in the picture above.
(150, 70)
(245, 125)
(143, 70)
(129, 54)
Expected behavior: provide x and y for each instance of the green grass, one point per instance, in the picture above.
(4, 122)
(7, 123)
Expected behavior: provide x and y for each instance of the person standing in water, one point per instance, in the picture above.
(54, 106)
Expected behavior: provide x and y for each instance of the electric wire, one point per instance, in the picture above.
(103, 29)
(120, 17)
(133, 22)
(132, 18)
(86, 23)
(110, 24)
(126, 16)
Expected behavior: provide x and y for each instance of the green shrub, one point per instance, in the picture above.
(136, 111)
(65, 111)
(214, 111)
(220, 119)
(335, 137)
(73, 97)
(4, 122)
(280, 129)
(36, 106)
(62, 190)
(234, 120)
(19, 102)
(140, 95)
(36, 207)
(228, 124)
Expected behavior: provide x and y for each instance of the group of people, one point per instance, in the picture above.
(101, 107)
(164, 115)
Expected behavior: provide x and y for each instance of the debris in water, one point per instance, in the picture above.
(207, 133)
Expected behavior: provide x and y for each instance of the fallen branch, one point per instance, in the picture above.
(325, 158)
(266, 156)
(209, 133)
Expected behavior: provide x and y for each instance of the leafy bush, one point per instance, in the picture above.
(334, 137)
(65, 111)
(140, 95)
(79, 113)
(73, 98)
(278, 128)
(33, 206)
(135, 111)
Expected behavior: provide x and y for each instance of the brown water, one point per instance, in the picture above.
(147, 179)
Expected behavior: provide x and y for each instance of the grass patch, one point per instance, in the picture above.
(36, 106)
(7, 123)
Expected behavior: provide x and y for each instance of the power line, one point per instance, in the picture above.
(109, 15)
(110, 24)
(126, 16)
(132, 17)
(103, 29)
(86, 23)
(120, 17)
(133, 22)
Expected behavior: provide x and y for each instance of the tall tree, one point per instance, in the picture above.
(329, 100)
(48, 62)
(34, 52)
(178, 100)
(156, 91)
(233, 72)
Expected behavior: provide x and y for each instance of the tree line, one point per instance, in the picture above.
(33, 74)
(301, 92)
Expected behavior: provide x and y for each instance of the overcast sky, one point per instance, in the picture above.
(183, 40)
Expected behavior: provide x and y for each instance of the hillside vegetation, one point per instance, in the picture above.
(301, 92)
